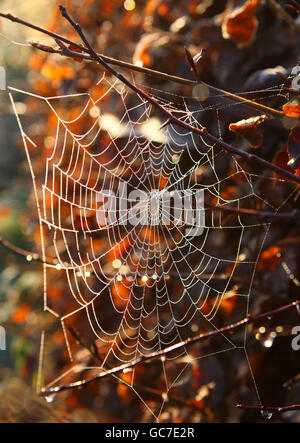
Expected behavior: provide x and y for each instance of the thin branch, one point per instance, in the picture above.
(29, 255)
(285, 16)
(201, 132)
(101, 59)
(271, 408)
(164, 352)
(147, 71)
(34, 256)
(264, 215)
(294, 5)
(291, 91)
(166, 77)
(291, 381)
(94, 352)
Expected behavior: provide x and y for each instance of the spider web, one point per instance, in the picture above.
(134, 290)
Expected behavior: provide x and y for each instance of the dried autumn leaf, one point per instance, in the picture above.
(251, 122)
(19, 316)
(121, 293)
(229, 300)
(198, 56)
(118, 249)
(74, 49)
(42, 47)
(5, 212)
(293, 148)
(282, 159)
(248, 129)
(241, 24)
(269, 259)
(292, 108)
(57, 73)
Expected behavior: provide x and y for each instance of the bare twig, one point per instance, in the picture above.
(291, 91)
(147, 71)
(156, 392)
(29, 255)
(294, 5)
(271, 408)
(201, 132)
(166, 77)
(291, 381)
(285, 16)
(264, 215)
(101, 59)
(164, 352)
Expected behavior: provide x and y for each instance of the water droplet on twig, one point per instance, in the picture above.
(50, 398)
(267, 415)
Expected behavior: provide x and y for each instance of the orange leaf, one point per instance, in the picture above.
(228, 303)
(248, 129)
(241, 24)
(269, 259)
(163, 180)
(282, 160)
(123, 390)
(74, 49)
(19, 316)
(121, 293)
(5, 212)
(56, 72)
(292, 108)
(251, 122)
(293, 148)
(118, 249)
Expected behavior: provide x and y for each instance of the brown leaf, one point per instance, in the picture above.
(241, 24)
(292, 108)
(282, 159)
(293, 148)
(269, 259)
(74, 49)
(248, 129)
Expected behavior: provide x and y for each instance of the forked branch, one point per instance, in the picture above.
(203, 132)
(285, 16)
(106, 61)
(165, 352)
(132, 67)
(271, 408)
(28, 255)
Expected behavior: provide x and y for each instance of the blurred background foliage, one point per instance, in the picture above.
(151, 33)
